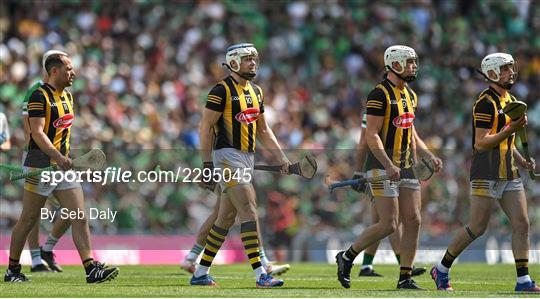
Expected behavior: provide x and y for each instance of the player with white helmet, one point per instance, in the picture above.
(233, 120)
(494, 175)
(393, 144)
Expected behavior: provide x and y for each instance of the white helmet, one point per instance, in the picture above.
(398, 54)
(49, 53)
(236, 52)
(493, 62)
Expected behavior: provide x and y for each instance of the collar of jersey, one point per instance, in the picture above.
(236, 82)
(393, 85)
(501, 98)
(53, 89)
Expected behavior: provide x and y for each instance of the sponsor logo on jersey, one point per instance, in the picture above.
(64, 122)
(248, 116)
(404, 120)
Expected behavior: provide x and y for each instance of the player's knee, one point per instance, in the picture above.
(29, 219)
(228, 220)
(27, 223)
(79, 222)
(390, 226)
(248, 213)
(477, 230)
(412, 220)
(521, 226)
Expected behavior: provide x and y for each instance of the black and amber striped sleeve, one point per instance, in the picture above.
(483, 114)
(376, 103)
(36, 104)
(216, 98)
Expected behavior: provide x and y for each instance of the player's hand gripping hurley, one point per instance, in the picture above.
(95, 159)
(422, 171)
(306, 167)
(516, 110)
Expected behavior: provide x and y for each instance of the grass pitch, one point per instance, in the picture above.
(303, 280)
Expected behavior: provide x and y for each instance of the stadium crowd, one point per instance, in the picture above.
(145, 67)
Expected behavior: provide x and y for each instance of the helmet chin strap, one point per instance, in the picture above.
(506, 85)
(406, 79)
(246, 76)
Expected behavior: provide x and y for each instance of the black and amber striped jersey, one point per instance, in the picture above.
(497, 163)
(240, 107)
(57, 109)
(397, 106)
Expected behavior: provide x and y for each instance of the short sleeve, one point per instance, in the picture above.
(36, 104)
(483, 114)
(216, 98)
(376, 103)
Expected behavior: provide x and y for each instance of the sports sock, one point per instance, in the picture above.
(36, 257)
(522, 269)
(88, 265)
(445, 264)
(264, 259)
(405, 273)
(367, 262)
(214, 240)
(194, 253)
(250, 239)
(14, 266)
(350, 254)
(50, 243)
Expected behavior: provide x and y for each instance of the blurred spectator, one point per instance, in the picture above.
(144, 69)
(5, 143)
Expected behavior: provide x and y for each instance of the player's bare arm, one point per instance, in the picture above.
(374, 125)
(206, 132)
(361, 151)
(486, 141)
(37, 125)
(26, 127)
(424, 151)
(521, 161)
(269, 141)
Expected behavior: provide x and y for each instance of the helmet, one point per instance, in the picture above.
(49, 53)
(236, 52)
(494, 62)
(398, 54)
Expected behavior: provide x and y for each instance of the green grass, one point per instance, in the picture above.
(303, 280)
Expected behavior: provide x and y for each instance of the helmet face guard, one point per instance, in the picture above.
(401, 55)
(498, 63)
(235, 53)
